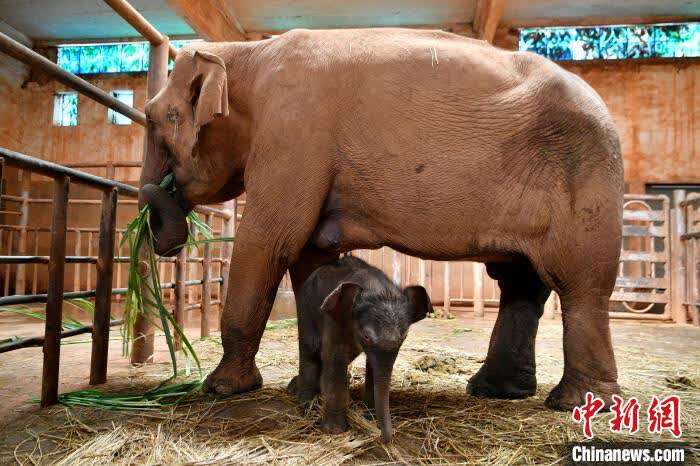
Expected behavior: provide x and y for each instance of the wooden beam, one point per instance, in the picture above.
(487, 15)
(213, 20)
(124, 9)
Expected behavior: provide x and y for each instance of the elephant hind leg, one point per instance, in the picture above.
(509, 369)
(589, 361)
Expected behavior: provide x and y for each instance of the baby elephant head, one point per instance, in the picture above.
(379, 321)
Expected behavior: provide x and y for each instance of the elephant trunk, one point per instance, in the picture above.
(167, 220)
(382, 366)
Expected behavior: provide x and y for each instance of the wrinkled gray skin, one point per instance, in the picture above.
(346, 308)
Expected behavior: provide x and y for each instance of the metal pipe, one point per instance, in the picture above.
(54, 170)
(33, 59)
(39, 341)
(141, 24)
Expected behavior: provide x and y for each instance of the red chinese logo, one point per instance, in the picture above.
(665, 415)
(584, 414)
(662, 415)
(626, 415)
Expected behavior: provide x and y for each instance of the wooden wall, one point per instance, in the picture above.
(26, 125)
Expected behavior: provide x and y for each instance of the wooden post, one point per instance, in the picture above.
(88, 278)
(144, 331)
(550, 306)
(76, 266)
(677, 264)
(180, 290)
(396, 268)
(142, 349)
(21, 271)
(8, 269)
(205, 325)
(446, 287)
(103, 291)
(421, 272)
(478, 289)
(54, 302)
(227, 248)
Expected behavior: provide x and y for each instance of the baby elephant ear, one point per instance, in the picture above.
(420, 302)
(209, 88)
(338, 304)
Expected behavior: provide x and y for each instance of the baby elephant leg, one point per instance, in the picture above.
(336, 396)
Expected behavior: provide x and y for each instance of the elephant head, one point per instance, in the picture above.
(379, 322)
(190, 134)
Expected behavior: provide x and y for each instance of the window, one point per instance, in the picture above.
(678, 40)
(65, 109)
(125, 96)
(119, 57)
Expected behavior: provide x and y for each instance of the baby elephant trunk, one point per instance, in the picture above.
(382, 366)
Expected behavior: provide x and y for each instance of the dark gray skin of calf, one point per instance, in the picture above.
(345, 308)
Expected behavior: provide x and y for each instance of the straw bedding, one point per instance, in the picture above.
(434, 420)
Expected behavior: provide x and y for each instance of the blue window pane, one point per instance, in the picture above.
(69, 59)
(132, 57)
(127, 57)
(91, 58)
(613, 42)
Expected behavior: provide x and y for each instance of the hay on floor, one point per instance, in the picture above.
(434, 420)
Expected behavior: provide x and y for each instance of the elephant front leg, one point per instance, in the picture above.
(258, 262)
(335, 392)
(509, 369)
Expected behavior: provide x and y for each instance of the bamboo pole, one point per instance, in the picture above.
(180, 294)
(21, 271)
(33, 59)
(144, 332)
(103, 291)
(54, 303)
(141, 24)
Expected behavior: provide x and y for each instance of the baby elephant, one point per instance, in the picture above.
(345, 308)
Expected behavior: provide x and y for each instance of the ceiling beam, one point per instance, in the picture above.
(213, 20)
(487, 15)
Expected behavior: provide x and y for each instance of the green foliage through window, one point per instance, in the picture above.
(120, 57)
(678, 40)
(65, 109)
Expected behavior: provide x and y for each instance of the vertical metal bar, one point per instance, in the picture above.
(103, 289)
(144, 332)
(54, 302)
(478, 289)
(421, 272)
(205, 325)
(446, 287)
(677, 262)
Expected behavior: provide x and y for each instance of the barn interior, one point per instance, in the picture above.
(641, 56)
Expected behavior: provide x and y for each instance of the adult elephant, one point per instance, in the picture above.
(436, 145)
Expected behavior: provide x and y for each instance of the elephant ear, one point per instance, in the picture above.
(419, 302)
(338, 304)
(209, 88)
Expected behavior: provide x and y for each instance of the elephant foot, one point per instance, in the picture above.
(334, 423)
(571, 391)
(304, 395)
(487, 384)
(231, 377)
